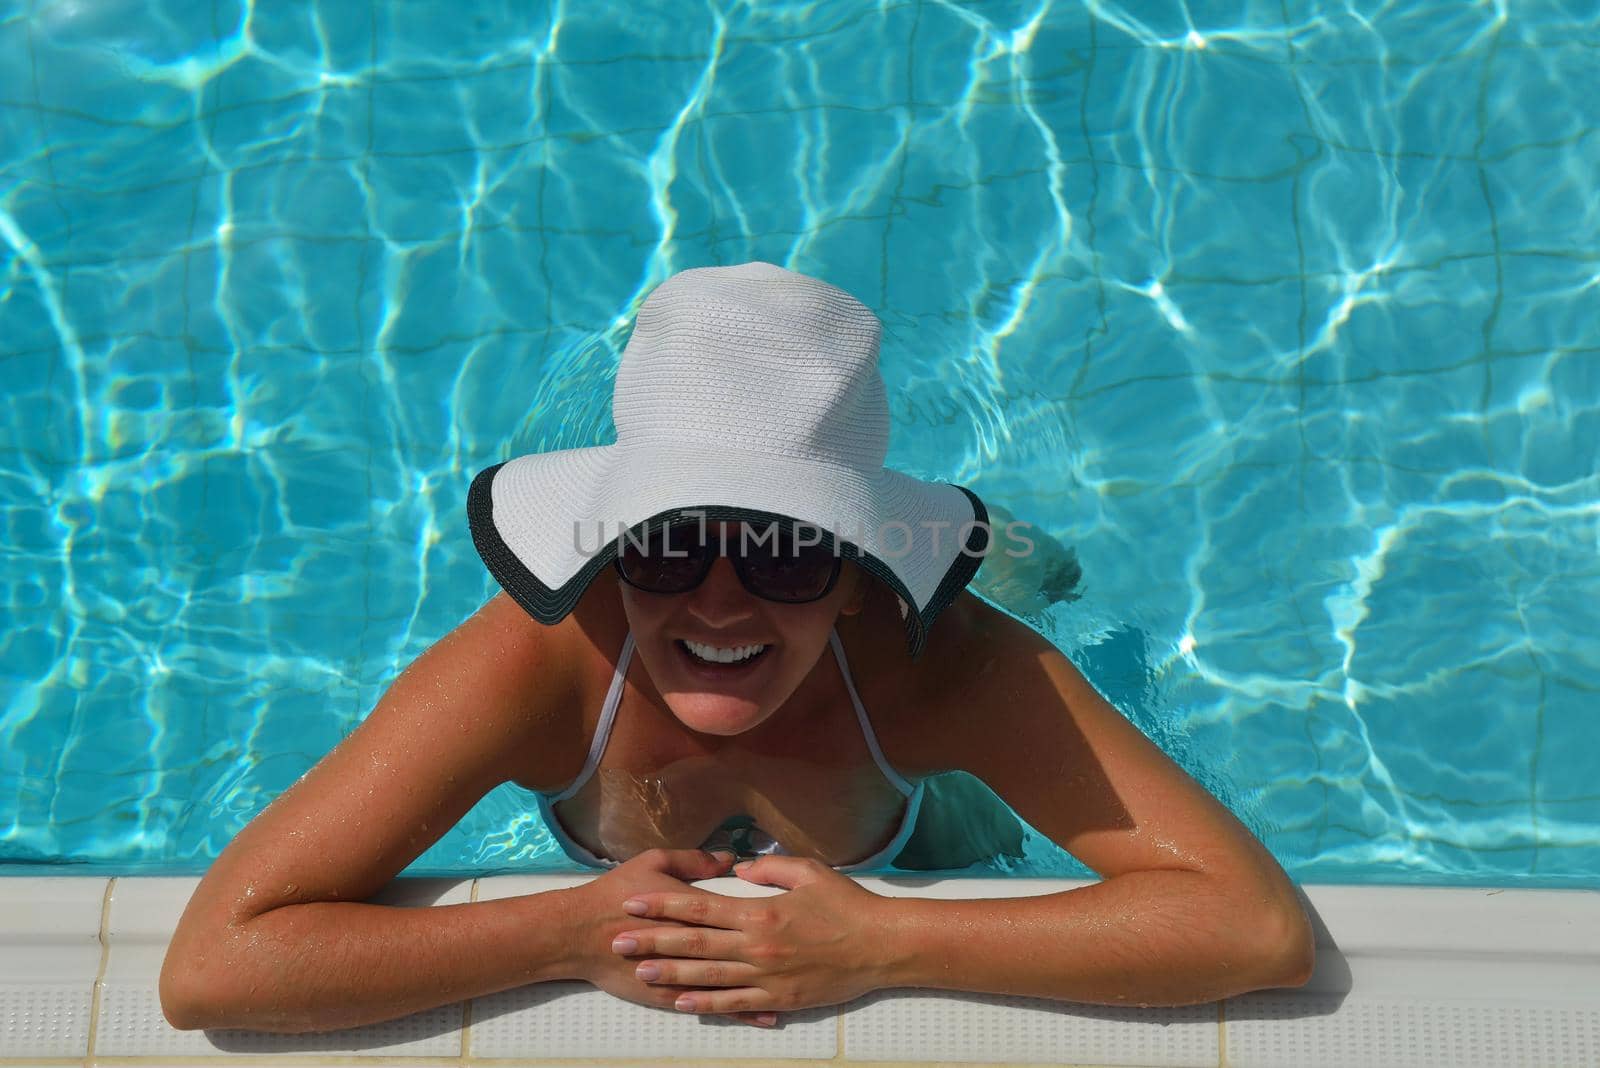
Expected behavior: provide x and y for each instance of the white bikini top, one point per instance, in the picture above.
(739, 833)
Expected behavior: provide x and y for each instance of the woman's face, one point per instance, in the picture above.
(720, 612)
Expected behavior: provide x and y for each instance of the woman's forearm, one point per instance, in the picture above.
(1144, 938)
(326, 965)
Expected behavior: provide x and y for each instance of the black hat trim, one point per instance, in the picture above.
(550, 606)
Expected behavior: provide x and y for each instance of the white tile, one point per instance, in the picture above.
(144, 913)
(1391, 920)
(50, 931)
(1416, 977)
(50, 928)
(1406, 977)
(45, 1019)
(1330, 1031)
(942, 1025)
(579, 1021)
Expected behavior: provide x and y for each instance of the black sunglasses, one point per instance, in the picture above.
(677, 557)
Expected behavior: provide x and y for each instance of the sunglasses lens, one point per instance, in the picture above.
(773, 564)
(783, 569)
(668, 559)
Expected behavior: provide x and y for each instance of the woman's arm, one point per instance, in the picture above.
(1027, 569)
(1160, 937)
(325, 965)
(1192, 907)
(275, 937)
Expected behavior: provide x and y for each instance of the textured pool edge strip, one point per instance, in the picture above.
(1421, 976)
(50, 957)
(1405, 976)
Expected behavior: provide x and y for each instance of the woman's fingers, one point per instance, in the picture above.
(705, 943)
(703, 908)
(695, 974)
(732, 1001)
(688, 865)
(690, 957)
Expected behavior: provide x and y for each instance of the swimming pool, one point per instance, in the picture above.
(1273, 313)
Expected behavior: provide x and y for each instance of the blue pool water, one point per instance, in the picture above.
(1279, 315)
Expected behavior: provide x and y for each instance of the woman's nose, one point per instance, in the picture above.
(721, 598)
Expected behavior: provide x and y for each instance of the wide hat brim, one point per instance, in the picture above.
(546, 523)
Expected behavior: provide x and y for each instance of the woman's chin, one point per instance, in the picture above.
(715, 713)
(723, 699)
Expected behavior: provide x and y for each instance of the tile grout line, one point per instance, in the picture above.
(100, 973)
(466, 1006)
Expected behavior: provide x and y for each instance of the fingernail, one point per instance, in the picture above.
(633, 906)
(625, 945)
(766, 1019)
(684, 1004)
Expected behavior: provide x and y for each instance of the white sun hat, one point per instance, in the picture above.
(744, 393)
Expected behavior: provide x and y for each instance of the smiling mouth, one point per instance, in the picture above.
(718, 667)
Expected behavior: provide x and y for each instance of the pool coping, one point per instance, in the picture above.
(1405, 976)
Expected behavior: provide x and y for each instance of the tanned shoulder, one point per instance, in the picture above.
(969, 637)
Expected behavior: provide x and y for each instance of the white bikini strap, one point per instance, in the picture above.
(607, 714)
(861, 714)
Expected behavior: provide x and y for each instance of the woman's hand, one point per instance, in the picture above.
(653, 872)
(811, 946)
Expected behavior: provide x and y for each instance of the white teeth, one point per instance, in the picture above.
(723, 656)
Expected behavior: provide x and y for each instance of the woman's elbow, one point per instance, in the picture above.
(1292, 950)
(185, 1000)
(193, 994)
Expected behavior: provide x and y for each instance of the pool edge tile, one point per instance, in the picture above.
(49, 969)
(1415, 977)
(1406, 976)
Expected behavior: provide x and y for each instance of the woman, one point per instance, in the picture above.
(703, 680)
